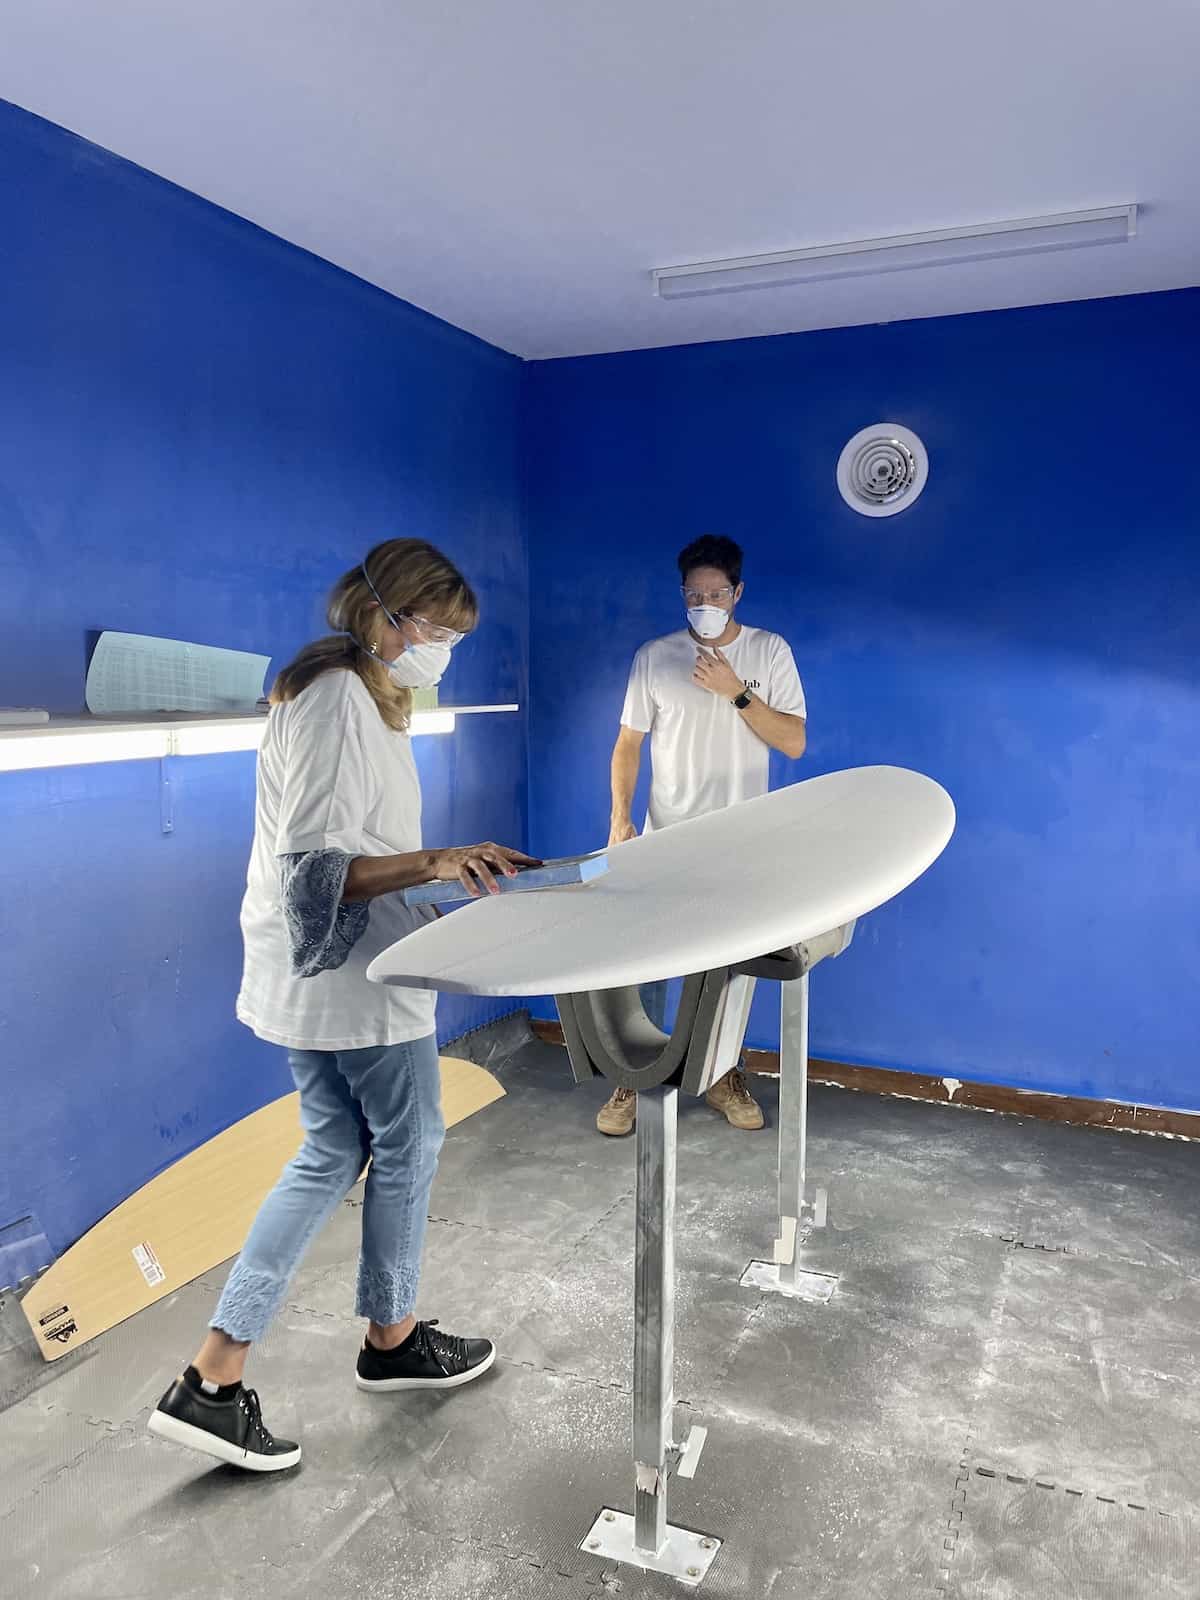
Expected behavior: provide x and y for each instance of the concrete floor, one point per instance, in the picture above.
(1000, 1401)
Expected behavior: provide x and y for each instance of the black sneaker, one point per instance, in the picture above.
(428, 1359)
(231, 1430)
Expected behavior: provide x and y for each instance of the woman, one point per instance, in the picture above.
(337, 832)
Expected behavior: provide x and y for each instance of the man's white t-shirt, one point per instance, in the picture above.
(331, 776)
(703, 756)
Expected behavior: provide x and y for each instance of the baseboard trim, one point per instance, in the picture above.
(1075, 1109)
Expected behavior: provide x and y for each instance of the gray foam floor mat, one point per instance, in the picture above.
(997, 1403)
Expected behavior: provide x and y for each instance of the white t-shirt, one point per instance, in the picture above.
(703, 756)
(331, 776)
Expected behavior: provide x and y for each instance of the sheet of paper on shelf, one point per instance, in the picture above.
(133, 672)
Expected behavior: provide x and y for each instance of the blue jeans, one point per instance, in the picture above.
(385, 1103)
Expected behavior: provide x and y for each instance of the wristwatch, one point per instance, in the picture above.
(742, 700)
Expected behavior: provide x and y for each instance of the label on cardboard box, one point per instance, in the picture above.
(149, 1264)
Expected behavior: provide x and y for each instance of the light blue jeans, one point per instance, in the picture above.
(385, 1103)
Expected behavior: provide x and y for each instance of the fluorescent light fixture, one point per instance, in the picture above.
(432, 722)
(215, 738)
(1068, 230)
(79, 744)
(81, 747)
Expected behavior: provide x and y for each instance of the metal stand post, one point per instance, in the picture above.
(654, 1313)
(797, 1213)
(795, 1210)
(646, 1539)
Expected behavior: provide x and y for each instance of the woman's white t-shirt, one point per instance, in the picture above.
(331, 776)
(703, 756)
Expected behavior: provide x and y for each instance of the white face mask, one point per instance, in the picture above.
(707, 622)
(420, 666)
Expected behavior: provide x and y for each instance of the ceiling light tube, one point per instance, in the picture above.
(1067, 230)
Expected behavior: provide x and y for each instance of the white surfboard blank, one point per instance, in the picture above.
(720, 889)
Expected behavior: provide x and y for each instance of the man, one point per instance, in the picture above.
(716, 698)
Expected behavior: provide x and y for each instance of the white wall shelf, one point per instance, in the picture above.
(83, 741)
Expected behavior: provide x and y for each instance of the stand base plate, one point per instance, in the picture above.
(686, 1556)
(765, 1276)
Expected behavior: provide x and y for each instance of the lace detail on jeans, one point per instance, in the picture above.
(385, 1296)
(322, 930)
(248, 1302)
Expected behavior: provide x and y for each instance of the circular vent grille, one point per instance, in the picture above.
(882, 470)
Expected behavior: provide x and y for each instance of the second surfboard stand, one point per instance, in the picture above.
(609, 1034)
(798, 1212)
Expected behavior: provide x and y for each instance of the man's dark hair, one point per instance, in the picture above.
(712, 550)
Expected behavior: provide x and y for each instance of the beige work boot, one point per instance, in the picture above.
(734, 1101)
(617, 1116)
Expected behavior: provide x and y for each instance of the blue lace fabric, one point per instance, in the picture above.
(322, 929)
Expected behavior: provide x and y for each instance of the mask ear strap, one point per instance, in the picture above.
(379, 599)
(373, 589)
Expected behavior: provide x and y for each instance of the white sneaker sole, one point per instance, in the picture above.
(392, 1385)
(185, 1433)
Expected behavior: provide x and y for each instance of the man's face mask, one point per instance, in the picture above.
(707, 622)
(709, 610)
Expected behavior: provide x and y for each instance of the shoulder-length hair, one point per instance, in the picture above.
(407, 577)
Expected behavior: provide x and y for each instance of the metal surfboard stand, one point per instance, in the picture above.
(609, 1034)
(799, 1213)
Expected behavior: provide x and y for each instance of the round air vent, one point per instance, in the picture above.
(882, 470)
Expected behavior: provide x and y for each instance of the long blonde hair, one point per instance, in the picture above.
(408, 575)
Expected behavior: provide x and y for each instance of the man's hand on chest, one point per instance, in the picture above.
(713, 672)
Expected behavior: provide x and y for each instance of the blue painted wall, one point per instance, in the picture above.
(200, 428)
(1027, 633)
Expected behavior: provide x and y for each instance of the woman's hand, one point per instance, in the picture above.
(476, 866)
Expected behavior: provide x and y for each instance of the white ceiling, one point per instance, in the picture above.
(518, 167)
